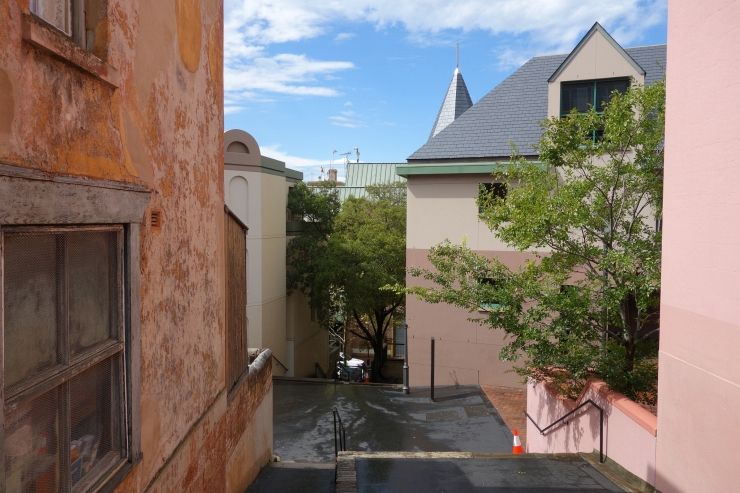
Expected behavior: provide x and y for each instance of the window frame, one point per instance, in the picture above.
(76, 20)
(595, 134)
(495, 305)
(59, 376)
(497, 189)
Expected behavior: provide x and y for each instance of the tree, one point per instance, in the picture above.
(366, 252)
(591, 304)
(316, 209)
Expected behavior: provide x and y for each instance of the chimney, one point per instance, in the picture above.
(332, 175)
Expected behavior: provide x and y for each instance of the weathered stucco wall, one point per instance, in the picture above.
(152, 114)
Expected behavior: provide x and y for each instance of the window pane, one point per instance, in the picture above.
(604, 89)
(94, 419)
(30, 290)
(58, 13)
(579, 96)
(31, 445)
(93, 297)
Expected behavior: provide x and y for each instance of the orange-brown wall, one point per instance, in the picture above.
(162, 127)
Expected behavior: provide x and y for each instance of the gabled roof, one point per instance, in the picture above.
(456, 102)
(510, 114)
(596, 28)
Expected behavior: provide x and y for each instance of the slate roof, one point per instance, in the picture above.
(456, 102)
(511, 113)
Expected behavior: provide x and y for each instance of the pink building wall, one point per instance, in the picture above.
(699, 366)
(629, 430)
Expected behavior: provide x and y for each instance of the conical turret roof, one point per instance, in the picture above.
(456, 102)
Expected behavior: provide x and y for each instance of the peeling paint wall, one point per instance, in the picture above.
(148, 110)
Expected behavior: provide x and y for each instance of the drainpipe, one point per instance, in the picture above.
(406, 363)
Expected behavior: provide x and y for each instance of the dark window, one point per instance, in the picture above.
(489, 191)
(489, 302)
(66, 424)
(583, 95)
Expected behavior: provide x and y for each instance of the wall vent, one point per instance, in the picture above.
(155, 219)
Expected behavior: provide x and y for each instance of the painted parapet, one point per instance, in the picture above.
(630, 431)
(122, 124)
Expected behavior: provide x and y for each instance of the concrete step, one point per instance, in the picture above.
(462, 472)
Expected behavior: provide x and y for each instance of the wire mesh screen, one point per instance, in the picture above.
(93, 290)
(32, 445)
(63, 316)
(94, 422)
(30, 291)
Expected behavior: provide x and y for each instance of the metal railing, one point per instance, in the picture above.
(279, 362)
(554, 424)
(340, 434)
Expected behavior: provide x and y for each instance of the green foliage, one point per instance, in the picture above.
(366, 252)
(316, 209)
(344, 257)
(587, 302)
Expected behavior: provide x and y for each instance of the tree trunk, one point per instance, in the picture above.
(378, 344)
(631, 319)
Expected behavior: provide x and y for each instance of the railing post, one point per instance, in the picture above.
(336, 449)
(405, 374)
(601, 435)
(432, 375)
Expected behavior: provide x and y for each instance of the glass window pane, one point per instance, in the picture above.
(93, 297)
(58, 13)
(605, 88)
(94, 418)
(30, 291)
(31, 445)
(579, 96)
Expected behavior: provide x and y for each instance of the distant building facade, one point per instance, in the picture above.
(447, 173)
(257, 190)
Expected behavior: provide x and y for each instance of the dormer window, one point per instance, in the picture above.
(582, 95)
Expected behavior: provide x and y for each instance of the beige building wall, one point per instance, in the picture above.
(256, 191)
(439, 208)
(597, 58)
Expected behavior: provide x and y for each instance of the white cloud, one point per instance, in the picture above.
(291, 161)
(527, 28)
(347, 118)
(344, 36)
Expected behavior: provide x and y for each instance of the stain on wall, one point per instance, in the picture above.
(7, 103)
(189, 32)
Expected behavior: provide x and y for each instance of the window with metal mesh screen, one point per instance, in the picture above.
(94, 426)
(32, 430)
(63, 371)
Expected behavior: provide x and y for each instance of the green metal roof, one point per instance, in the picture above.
(360, 175)
(482, 168)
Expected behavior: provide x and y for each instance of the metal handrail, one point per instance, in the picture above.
(279, 362)
(543, 431)
(340, 434)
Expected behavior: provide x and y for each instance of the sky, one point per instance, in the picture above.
(310, 77)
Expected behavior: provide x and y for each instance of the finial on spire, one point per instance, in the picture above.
(457, 55)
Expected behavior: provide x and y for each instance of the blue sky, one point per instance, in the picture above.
(307, 77)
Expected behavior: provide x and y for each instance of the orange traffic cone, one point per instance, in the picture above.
(517, 449)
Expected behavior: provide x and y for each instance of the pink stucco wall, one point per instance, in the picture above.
(629, 430)
(699, 367)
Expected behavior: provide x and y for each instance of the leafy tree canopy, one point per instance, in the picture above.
(366, 252)
(587, 300)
